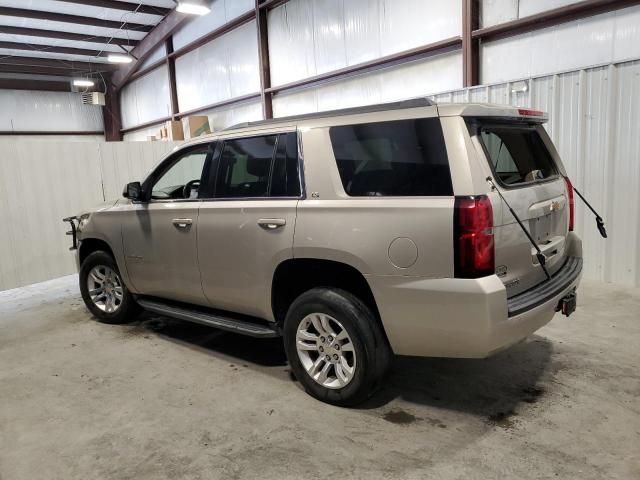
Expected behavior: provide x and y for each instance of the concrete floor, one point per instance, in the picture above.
(163, 399)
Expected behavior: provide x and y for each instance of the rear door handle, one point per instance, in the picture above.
(182, 222)
(272, 223)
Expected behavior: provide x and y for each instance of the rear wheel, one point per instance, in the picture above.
(335, 346)
(103, 291)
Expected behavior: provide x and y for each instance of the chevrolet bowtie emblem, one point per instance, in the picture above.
(554, 206)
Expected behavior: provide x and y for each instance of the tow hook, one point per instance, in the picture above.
(567, 304)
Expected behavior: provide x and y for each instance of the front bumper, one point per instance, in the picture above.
(465, 318)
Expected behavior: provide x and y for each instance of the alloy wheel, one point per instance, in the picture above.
(326, 350)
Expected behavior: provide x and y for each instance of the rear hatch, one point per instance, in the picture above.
(527, 171)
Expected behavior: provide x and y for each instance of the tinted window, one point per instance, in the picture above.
(517, 154)
(245, 164)
(182, 179)
(285, 180)
(399, 158)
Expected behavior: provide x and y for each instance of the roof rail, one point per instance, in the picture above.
(380, 107)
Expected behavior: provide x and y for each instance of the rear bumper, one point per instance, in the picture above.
(465, 318)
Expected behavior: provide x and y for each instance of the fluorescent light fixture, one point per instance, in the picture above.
(193, 7)
(119, 58)
(83, 82)
(520, 87)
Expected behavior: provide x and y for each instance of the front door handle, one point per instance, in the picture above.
(272, 223)
(182, 222)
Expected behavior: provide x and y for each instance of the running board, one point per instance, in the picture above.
(216, 320)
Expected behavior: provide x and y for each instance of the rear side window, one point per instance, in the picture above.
(397, 158)
(258, 167)
(517, 154)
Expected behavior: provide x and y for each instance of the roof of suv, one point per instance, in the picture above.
(444, 110)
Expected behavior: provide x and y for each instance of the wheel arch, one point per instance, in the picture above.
(90, 245)
(294, 276)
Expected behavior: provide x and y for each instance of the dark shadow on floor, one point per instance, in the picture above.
(491, 387)
(259, 352)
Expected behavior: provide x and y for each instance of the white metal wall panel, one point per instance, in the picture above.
(142, 134)
(309, 38)
(224, 68)
(70, 177)
(124, 162)
(146, 99)
(602, 39)
(155, 55)
(593, 119)
(397, 83)
(26, 110)
(493, 12)
(221, 118)
(67, 177)
(222, 11)
(56, 138)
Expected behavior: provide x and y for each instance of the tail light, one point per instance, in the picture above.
(572, 207)
(473, 236)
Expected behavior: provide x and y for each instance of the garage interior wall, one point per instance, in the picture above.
(590, 85)
(40, 111)
(43, 182)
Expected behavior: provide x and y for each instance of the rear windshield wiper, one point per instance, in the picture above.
(539, 255)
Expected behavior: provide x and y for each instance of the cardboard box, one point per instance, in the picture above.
(198, 125)
(173, 130)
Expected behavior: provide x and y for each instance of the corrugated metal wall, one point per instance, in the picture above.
(27, 110)
(594, 116)
(43, 182)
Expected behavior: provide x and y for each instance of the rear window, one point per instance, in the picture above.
(398, 158)
(517, 154)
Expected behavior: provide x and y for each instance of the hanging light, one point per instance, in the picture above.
(83, 82)
(119, 58)
(193, 7)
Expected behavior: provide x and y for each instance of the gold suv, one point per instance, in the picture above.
(408, 228)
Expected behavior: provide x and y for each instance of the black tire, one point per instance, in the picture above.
(370, 345)
(126, 310)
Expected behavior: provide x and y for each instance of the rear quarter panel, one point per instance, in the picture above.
(360, 231)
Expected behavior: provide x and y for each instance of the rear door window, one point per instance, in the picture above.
(397, 158)
(517, 154)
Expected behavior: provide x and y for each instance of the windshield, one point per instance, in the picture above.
(517, 154)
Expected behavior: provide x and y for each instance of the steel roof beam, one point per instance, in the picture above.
(34, 47)
(80, 37)
(126, 6)
(75, 19)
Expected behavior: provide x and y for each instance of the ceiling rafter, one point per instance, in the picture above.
(75, 19)
(55, 64)
(36, 47)
(126, 6)
(80, 37)
(158, 35)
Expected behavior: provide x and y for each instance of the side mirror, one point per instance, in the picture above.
(133, 191)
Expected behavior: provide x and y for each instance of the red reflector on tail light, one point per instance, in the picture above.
(473, 236)
(525, 112)
(572, 206)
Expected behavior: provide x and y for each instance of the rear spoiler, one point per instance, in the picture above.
(485, 110)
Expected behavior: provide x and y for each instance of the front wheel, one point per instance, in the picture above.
(103, 291)
(335, 346)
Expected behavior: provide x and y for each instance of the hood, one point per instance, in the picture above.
(98, 208)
